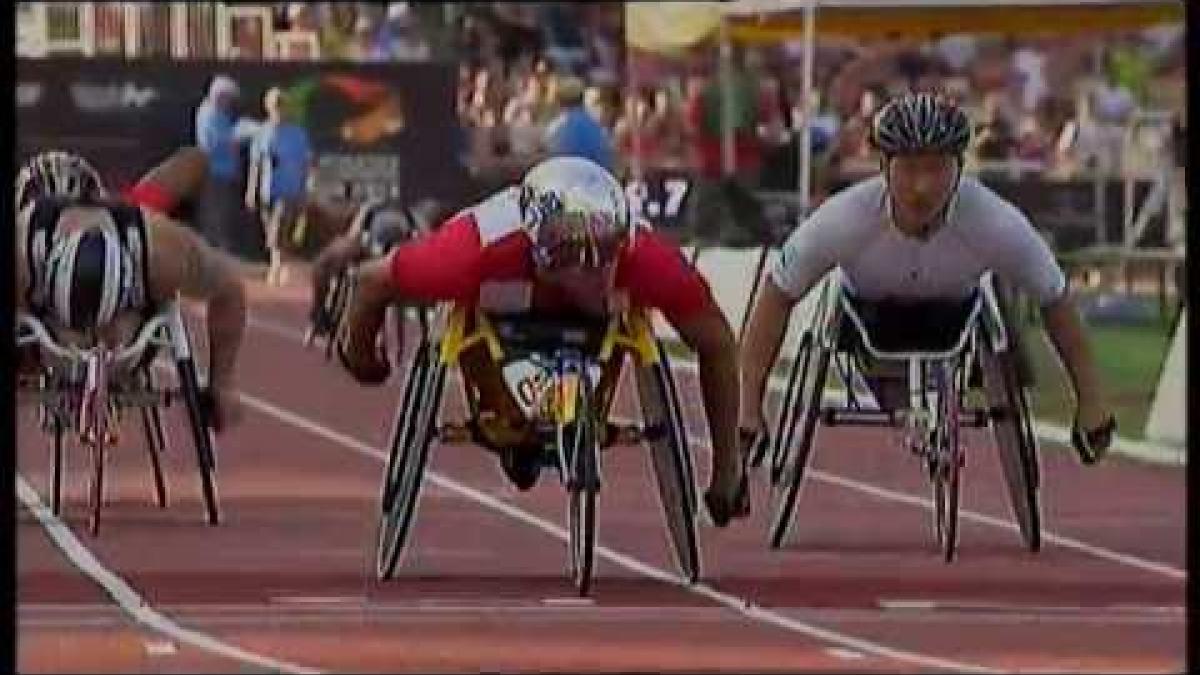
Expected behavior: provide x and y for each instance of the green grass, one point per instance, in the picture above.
(1129, 358)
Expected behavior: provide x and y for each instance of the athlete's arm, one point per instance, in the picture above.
(1023, 258)
(440, 266)
(21, 283)
(658, 275)
(182, 263)
(808, 254)
(178, 179)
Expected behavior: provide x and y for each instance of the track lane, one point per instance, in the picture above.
(842, 559)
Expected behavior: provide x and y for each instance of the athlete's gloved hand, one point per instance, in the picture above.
(1092, 444)
(728, 494)
(359, 346)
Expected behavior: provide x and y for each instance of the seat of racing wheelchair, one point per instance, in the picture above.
(898, 325)
(526, 333)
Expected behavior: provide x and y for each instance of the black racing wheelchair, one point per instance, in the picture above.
(943, 352)
(85, 390)
(551, 368)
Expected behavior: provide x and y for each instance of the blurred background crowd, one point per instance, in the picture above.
(1057, 104)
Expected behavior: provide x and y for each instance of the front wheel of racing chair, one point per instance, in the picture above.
(670, 458)
(412, 433)
(582, 450)
(155, 440)
(198, 409)
(947, 461)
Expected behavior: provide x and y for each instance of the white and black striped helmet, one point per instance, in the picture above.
(88, 277)
(575, 212)
(920, 123)
(56, 173)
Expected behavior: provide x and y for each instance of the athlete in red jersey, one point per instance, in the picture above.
(562, 241)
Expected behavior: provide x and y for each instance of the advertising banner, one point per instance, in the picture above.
(382, 129)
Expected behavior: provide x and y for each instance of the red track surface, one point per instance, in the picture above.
(288, 575)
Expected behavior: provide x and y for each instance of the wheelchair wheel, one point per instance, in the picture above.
(785, 429)
(409, 452)
(675, 410)
(189, 386)
(946, 475)
(1011, 421)
(669, 458)
(582, 486)
(153, 449)
(152, 426)
(414, 387)
(795, 455)
(98, 452)
(335, 307)
(60, 432)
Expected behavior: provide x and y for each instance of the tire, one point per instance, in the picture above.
(795, 461)
(672, 470)
(409, 472)
(582, 488)
(57, 476)
(947, 475)
(99, 456)
(785, 431)
(152, 448)
(201, 437)
(1016, 444)
(415, 386)
(675, 412)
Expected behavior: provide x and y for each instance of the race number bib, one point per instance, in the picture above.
(532, 384)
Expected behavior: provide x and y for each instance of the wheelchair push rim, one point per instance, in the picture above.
(406, 472)
(666, 441)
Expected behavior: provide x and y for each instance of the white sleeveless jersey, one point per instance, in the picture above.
(982, 231)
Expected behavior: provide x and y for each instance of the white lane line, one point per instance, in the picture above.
(161, 648)
(843, 653)
(743, 605)
(887, 494)
(128, 599)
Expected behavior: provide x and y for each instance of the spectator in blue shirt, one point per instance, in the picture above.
(280, 158)
(575, 132)
(219, 136)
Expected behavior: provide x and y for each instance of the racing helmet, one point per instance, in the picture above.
(575, 213)
(920, 123)
(88, 277)
(56, 173)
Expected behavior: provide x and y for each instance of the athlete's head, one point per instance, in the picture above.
(55, 173)
(921, 139)
(576, 215)
(88, 277)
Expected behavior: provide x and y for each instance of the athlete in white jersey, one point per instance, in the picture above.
(920, 231)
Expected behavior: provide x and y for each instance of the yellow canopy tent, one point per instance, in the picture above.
(775, 20)
(671, 28)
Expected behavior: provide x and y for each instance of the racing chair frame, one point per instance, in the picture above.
(567, 422)
(938, 383)
(86, 390)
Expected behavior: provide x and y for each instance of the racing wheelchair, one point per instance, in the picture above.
(85, 390)
(551, 368)
(947, 351)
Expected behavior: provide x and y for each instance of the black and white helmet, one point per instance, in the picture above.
(56, 173)
(920, 123)
(88, 277)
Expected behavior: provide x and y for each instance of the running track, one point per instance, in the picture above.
(286, 583)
